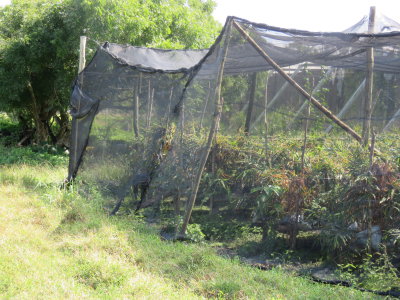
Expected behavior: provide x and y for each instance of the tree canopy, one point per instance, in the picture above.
(39, 48)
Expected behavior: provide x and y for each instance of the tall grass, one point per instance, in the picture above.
(56, 243)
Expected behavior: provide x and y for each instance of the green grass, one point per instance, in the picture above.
(56, 244)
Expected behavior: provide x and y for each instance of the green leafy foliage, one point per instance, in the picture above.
(39, 48)
(374, 273)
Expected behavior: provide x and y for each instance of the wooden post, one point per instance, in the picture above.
(213, 172)
(148, 104)
(82, 54)
(151, 105)
(252, 96)
(392, 120)
(205, 105)
(370, 216)
(213, 130)
(82, 62)
(136, 108)
(348, 104)
(266, 116)
(169, 106)
(277, 95)
(303, 151)
(322, 81)
(177, 203)
(369, 82)
(314, 101)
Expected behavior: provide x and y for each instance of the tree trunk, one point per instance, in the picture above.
(63, 132)
(41, 130)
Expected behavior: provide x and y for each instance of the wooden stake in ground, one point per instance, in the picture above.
(252, 96)
(213, 130)
(369, 82)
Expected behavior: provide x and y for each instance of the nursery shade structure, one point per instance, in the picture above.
(146, 120)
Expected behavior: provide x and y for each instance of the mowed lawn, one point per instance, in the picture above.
(55, 244)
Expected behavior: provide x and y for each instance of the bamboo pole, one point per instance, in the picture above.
(314, 101)
(370, 216)
(169, 105)
(148, 104)
(82, 53)
(136, 109)
(277, 95)
(205, 105)
(82, 62)
(323, 80)
(303, 151)
(348, 104)
(253, 86)
(391, 121)
(213, 130)
(266, 116)
(151, 106)
(369, 85)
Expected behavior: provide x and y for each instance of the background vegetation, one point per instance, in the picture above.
(39, 49)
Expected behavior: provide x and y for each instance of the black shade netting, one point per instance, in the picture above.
(143, 120)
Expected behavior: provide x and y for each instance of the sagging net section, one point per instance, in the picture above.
(222, 138)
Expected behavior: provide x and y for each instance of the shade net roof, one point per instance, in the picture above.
(154, 130)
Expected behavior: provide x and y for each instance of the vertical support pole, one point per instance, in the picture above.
(370, 215)
(148, 104)
(252, 96)
(205, 105)
(278, 94)
(369, 82)
(213, 129)
(82, 53)
(266, 116)
(136, 107)
(213, 172)
(320, 84)
(348, 104)
(151, 105)
(392, 120)
(82, 62)
(169, 106)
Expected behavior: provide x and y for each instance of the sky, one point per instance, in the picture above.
(312, 15)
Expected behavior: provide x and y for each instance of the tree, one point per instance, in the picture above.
(39, 48)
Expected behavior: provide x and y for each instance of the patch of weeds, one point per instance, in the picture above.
(4, 285)
(376, 272)
(224, 290)
(10, 132)
(194, 233)
(97, 274)
(196, 260)
(74, 215)
(29, 182)
(32, 155)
